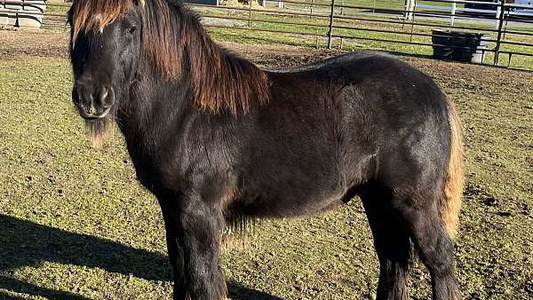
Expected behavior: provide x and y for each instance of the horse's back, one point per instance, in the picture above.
(376, 77)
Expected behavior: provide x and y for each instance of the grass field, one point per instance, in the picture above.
(76, 225)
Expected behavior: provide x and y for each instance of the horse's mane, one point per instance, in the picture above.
(174, 41)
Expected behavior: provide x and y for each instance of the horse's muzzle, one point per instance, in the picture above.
(93, 102)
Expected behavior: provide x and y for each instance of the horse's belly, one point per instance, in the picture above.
(286, 202)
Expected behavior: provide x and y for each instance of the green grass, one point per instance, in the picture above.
(76, 223)
(57, 7)
(81, 225)
(42, 149)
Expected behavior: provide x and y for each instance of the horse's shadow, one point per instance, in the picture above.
(23, 243)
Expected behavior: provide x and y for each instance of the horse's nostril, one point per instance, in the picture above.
(79, 100)
(82, 95)
(106, 97)
(75, 96)
(103, 95)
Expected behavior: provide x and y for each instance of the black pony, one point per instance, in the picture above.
(215, 146)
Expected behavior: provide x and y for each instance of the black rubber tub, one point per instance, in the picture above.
(459, 45)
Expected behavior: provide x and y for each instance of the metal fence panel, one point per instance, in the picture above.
(498, 33)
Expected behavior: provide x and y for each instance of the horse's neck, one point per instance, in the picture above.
(157, 104)
(154, 106)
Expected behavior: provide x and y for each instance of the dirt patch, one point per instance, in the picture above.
(53, 43)
(43, 43)
(278, 56)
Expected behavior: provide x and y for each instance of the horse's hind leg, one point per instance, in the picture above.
(432, 242)
(391, 241)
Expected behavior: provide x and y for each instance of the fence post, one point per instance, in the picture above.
(330, 32)
(500, 32)
(454, 10)
(498, 13)
(409, 7)
(250, 14)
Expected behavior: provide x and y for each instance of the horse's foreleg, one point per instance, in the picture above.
(199, 235)
(175, 252)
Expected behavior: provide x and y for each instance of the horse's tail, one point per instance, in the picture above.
(450, 201)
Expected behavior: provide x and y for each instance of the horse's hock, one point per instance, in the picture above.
(22, 13)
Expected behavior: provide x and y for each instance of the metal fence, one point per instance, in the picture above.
(495, 33)
(501, 33)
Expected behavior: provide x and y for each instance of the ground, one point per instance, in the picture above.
(76, 225)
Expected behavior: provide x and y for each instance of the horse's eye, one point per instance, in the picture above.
(132, 29)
